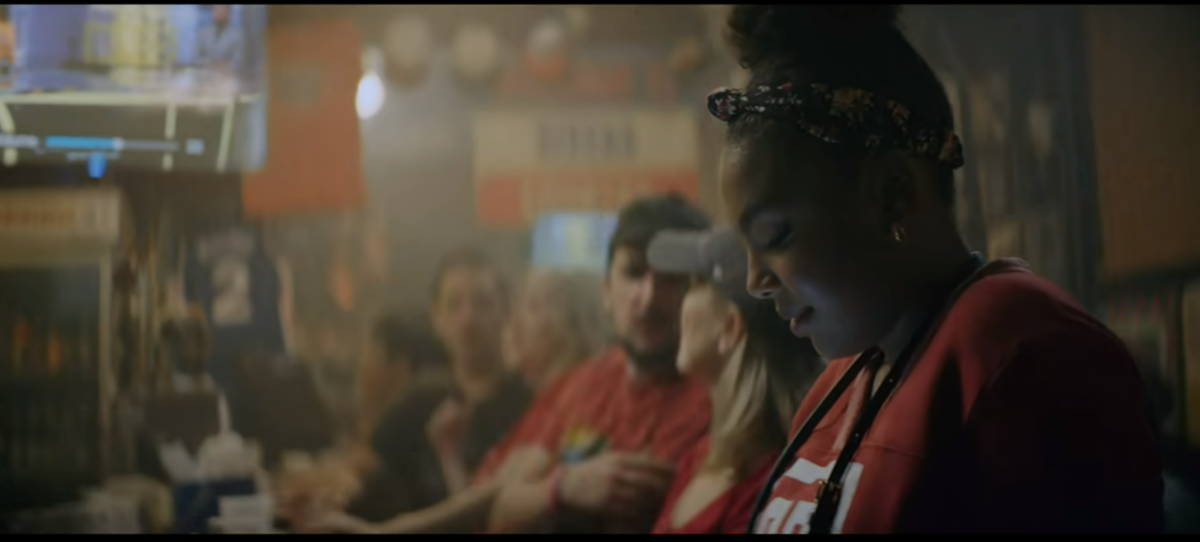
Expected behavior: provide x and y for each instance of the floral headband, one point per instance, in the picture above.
(834, 115)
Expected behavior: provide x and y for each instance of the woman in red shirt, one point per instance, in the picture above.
(756, 369)
(964, 396)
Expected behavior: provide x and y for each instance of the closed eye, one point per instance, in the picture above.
(780, 238)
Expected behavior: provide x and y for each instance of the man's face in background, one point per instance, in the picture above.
(645, 308)
(469, 313)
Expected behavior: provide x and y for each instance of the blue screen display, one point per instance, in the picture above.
(165, 87)
(573, 240)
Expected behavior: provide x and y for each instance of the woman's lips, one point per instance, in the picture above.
(802, 323)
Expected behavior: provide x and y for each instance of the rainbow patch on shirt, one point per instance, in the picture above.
(581, 443)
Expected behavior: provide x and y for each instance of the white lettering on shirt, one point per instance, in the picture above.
(786, 515)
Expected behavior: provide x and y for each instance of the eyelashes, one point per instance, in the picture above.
(780, 239)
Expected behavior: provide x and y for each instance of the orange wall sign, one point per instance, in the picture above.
(314, 159)
(531, 161)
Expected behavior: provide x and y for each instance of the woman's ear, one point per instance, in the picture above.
(733, 328)
(899, 187)
(890, 182)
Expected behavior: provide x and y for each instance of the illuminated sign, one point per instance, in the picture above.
(530, 162)
(49, 215)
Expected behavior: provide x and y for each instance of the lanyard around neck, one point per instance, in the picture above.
(829, 491)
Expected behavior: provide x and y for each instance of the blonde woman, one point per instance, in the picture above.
(557, 322)
(758, 372)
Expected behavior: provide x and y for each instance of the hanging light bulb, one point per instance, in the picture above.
(476, 51)
(371, 95)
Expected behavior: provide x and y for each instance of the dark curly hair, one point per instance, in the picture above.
(859, 46)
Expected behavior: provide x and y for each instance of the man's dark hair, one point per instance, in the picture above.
(644, 217)
(473, 259)
(405, 340)
(858, 46)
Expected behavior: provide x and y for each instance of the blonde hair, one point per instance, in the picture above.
(756, 397)
(577, 295)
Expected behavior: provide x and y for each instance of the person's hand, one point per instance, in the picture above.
(524, 464)
(299, 494)
(617, 485)
(448, 426)
(334, 522)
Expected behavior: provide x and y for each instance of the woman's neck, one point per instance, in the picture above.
(941, 272)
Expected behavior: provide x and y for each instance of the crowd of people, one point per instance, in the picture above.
(687, 390)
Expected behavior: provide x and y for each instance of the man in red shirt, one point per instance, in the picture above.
(615, 425)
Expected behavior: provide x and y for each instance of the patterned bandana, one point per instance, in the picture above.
(841, 114)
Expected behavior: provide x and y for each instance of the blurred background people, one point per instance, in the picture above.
(399, 354)
(622, 419)
(402, 358)
(757, 373)
(468, 314)
(556, 323)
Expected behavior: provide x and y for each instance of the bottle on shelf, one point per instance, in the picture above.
(20, 347)
(84, 365)
(55, 352)
(7, 347)
(35, 366)
(20, 434)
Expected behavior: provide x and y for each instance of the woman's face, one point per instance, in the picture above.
(707, 333)
(536, 333)
(818, 242)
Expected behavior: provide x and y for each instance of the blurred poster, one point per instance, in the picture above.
(314, 161)
(1191, 360)
(534, 161)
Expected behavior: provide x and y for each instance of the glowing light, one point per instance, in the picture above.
(371, 95)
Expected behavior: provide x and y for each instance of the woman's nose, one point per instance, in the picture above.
(760, 281)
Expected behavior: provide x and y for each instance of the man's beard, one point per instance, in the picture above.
(657, 361)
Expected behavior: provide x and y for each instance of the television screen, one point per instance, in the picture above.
(165, 87)
(573, 240)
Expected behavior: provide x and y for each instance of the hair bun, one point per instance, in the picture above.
(794, 33)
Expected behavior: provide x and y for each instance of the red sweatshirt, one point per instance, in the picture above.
(729, 513)
(1023, 414)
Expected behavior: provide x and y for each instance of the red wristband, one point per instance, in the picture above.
(554, 494)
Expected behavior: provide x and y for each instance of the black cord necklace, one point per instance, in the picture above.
(829, 491)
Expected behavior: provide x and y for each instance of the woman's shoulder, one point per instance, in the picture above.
(1008, 302)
